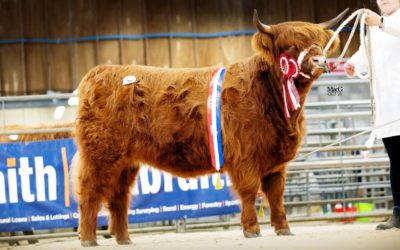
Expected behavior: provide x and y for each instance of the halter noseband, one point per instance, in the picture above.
(303, 55)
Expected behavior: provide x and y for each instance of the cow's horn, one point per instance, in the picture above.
(334, 21)
(260, 26)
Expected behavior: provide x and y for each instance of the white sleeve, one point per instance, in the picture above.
(360, 61)
(392, 26)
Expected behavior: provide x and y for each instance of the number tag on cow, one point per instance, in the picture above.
(129, 80)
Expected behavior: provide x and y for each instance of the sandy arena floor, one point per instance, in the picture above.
(327, 236)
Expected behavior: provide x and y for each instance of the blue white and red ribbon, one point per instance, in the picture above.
(214, 118)
(290, 70)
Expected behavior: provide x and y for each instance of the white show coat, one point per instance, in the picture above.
(385, 45)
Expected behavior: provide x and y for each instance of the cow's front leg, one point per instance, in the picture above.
(273, 185)
(249, 221)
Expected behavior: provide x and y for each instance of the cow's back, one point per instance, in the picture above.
(160, 119)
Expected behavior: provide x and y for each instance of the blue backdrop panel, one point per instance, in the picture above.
(36, 191)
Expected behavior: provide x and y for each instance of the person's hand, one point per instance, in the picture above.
(372, 18)
(349, 68)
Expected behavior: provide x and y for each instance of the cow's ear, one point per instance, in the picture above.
(263, 44)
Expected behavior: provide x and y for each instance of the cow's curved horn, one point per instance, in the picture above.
(260, 26)
(334, 21)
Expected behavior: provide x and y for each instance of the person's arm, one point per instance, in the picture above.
(392, 26)
(357, 63)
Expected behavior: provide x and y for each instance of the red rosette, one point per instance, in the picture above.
(294, 67)
(284, 64)
(289, 66)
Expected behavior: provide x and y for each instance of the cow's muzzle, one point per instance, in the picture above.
(320, 62)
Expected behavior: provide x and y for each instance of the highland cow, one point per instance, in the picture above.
(161, 119)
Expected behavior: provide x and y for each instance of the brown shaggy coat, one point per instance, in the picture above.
(161, 121)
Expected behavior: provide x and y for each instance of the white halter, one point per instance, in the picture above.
(302, 55)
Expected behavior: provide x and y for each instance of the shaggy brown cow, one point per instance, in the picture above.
(161, 120)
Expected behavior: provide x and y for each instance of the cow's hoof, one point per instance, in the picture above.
(89, 243)
(284, 232)
(251, 235)
(124, 242)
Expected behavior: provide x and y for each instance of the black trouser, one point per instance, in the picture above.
(392, 145)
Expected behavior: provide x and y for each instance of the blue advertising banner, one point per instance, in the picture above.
(35, 190)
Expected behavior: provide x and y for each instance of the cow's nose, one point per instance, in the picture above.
(319, 60)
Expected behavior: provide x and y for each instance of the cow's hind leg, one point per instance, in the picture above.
(273, 185)
(89, 204)
(118, 205)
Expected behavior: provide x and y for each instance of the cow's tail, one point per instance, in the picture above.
(73, 178)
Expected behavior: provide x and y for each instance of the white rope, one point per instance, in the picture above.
(357, 14)
(301, 157)
(364, 47)
(339, 29)
(365, 40)
(346, 47)
(367, 45)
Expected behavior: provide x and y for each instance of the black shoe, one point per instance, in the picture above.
(107, 236)
(393, 222)
(33, 241)
(13, 243)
